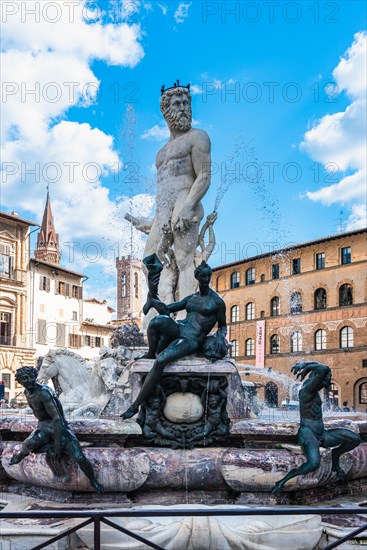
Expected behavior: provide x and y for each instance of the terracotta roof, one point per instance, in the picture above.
(58, 268)
(92, 324)
(292, 247)
(103, 303)
(16, 218)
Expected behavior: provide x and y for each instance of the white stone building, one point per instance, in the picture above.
(58, 315)
(96, 326)
(56, 306)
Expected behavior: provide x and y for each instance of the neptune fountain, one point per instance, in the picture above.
(173, 426)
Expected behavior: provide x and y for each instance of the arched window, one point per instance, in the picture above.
(250, 311)
(249, 347)
(235, 279)
(235, 314)
(274, 344)
(320, 298)
(250, 276)
(123, 284)
(363, 393)
(296, 341)
(234, 348)
(218, 283)
(136, 285)
(346, 295)
(296, 303)
(320, 340)
(262, 277)
(274, 306)
(346, 337)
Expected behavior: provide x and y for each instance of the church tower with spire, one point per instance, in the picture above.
(47, 249)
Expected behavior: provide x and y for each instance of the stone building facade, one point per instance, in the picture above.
(56, 306)
(96, 327)
(41, 302)
(305, 302)
(58, 314)
(129, 290)
(15, 347)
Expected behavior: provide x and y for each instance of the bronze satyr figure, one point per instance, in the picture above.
(171, 340)
(53, 435)
(312, 434)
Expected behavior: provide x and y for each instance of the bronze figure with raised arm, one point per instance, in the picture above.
(171, 340)
(312, 434)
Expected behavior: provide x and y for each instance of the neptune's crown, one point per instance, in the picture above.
(175, 85)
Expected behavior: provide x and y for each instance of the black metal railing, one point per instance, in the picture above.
(100, 516)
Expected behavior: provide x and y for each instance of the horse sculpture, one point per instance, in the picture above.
(85, 390)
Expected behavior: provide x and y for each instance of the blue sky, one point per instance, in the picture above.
(292, 132)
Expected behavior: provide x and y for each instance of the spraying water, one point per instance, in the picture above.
(243, 154)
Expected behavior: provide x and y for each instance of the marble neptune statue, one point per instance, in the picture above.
(183, 178)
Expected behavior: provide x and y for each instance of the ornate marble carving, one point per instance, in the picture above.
(203, 421)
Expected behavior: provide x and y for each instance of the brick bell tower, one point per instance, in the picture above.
(129, 289)
(47, 249)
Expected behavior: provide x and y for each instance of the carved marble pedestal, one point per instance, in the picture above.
(194, 404)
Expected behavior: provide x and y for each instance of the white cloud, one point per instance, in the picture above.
(159, 132)
(340, 138)
(350, 74)
(195, 89)
(358, 217)
(106, 293)
(182, 12)
(210, 83)
(54, 60)
(94, 251)
(163, 8)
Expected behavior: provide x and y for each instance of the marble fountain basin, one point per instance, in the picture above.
(261, 454)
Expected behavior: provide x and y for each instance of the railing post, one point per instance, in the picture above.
(97, 532)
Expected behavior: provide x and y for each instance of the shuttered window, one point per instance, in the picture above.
(41, 331)
(60, 335)
(75, 340)
(45, 283)
(99, 342)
